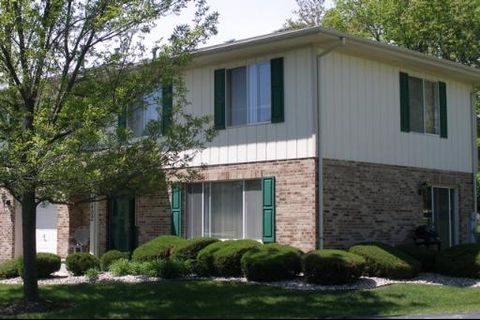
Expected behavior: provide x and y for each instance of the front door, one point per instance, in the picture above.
(121, 229)
(46, 231)
(444, 214)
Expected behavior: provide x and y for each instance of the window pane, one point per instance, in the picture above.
(139, 117)
(135, 121)
(264, 105)
(432, 108)
(416, 104)
(253, 209)
(237, 96)
(153, 109)
(194, 210)
(226, 211)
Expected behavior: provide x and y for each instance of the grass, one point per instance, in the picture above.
(196, 299)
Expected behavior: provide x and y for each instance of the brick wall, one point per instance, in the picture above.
(374, 202)
(69, 220)
(7, 228)
(295, 201)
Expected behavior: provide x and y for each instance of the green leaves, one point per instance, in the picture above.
(70, 69)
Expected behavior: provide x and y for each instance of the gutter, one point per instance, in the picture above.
(317, 57)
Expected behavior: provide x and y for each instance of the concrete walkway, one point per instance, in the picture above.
(436, 316)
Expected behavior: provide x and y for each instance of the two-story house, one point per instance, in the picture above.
(324, 140)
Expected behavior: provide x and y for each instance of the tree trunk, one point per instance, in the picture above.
(29, 220)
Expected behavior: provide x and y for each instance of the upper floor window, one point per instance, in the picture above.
(139, 118)
(158, 106)
(248, 95)
(423, 106)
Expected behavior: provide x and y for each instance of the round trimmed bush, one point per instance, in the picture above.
(387, 262)
(272, 262)
(47, 263)
(425, 256)
(111, 256)
(333, 267)
(80, 263)
(9, 269)
(224, 258)
(190, 249)
(158, 249)
(459, 261)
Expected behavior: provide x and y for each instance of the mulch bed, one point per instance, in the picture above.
(16, 308)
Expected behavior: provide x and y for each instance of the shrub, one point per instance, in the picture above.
(9, 269)
(190, 249)
(171, 269)
(47, 263)
(333, 267)
(425, 256)
(223, 258)
(121, 267)
(386, 261)
(272, 262)
(459, 261)
(159, 248)
(79, 263)
(110, 256)
(92, 275)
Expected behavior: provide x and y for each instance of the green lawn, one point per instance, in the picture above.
(178, 299)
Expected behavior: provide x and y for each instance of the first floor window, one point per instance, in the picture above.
(225, 210)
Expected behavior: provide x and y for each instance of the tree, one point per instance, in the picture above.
(448, 29)
(70, 70)
(308, 14)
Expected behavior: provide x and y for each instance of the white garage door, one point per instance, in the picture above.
(47, 228)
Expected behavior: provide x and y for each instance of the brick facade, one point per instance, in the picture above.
(375, 202)
(295, 193)
(7, 227)
(361, 202)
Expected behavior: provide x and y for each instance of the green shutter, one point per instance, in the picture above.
(442, 88)
(219, 117)
(404, 103)
(268, 202)
(176, 210)
(277, 83)
(167, 104)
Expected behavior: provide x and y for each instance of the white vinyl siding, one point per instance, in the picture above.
(360, 121)
(292, 139)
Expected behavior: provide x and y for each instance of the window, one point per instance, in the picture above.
(439, 210)
(139, 118)
(248, 95)
(225, 210)
(424, 105)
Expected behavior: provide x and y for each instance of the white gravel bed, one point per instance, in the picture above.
(364, 283)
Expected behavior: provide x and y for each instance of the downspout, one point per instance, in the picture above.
(473, 100)
(319, 138)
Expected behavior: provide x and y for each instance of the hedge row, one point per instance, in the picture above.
(274, 262)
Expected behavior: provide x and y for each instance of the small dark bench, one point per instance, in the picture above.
(426, 236)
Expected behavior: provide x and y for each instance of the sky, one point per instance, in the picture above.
(239, 19)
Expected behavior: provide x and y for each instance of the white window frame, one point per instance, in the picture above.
(248, 97)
